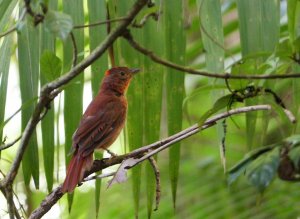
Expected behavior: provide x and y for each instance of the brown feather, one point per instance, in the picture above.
(100, 125)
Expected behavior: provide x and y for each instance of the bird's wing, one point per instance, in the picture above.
(95, 130)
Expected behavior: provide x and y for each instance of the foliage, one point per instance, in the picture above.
(241, 37)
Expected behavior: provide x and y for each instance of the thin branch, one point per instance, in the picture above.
(154, 148)
(12, 29)
(5, 146)
(189, 70)
(8, 32)
(74, 61)
(12, 210)
(104, 175)
(45, 97)
(100, 23)
(157, 179)
(154, 15)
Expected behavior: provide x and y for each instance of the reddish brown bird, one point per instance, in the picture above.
(100, 125)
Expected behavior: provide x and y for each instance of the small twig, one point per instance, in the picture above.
(154, 15)
(223, 146)
(104, 175)
(157, 179)
(290, 115)
(74, 61)
(5, 146)
(21, 206)
(181, 68)
(100, 23)
(12, 29)
(12, 210)
(8, 32)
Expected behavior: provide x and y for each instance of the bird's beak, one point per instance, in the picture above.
(134, 70)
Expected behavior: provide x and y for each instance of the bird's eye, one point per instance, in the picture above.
(122, 73)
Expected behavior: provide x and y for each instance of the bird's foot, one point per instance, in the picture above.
(112, 154)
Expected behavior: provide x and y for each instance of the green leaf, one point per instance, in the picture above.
(28, 57)
(97, 12)
(293, 9)
(241, 166)
(50, 65)
(4, 71)
(50, 68)
(262, 171)
(59, 24)
(294, 140)
(73, 99)
(135, 115)
(259, 31)
(175, 44)
(153, 80)
(221, 103)
(6, 9)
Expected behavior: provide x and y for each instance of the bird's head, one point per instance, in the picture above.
(118, 78)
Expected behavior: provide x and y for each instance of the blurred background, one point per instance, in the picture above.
(217, 36)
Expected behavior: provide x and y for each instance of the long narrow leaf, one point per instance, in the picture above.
(97, 12)
(153, 79)
(48, 44)
(134, 124)
(28, 57)
(259, 30)
(175, 51)
(4, 71)
(213, 42)
(73, 93)
(293, 11)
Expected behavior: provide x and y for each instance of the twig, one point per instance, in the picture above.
(104, 175)
(100, 23)
(12, 29)
(155, 147)
(74, 61)
(12, 210)
(8, 32)
(154, 15)
(157, 179)
(5, 146)
(181, 68)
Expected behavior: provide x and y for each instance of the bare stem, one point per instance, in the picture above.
(189, 70)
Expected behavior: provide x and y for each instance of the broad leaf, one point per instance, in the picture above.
(60, 24)
(50, 65)
(262, 171)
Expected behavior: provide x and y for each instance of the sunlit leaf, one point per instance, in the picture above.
(58, 23)
(73, 94)
(51, 65)
(4, 71)
(175, 44)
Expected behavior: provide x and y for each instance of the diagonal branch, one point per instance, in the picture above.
(142, 154)
(189, 70)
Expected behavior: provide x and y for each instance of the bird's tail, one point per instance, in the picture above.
(75, 172)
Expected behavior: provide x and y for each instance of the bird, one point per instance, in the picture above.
(100, 124)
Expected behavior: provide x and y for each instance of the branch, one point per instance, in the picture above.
(157, 180)
(139, 153)
(74, 61)
(5, 146)
(181, 68)
(100, 23)
(46, 91)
